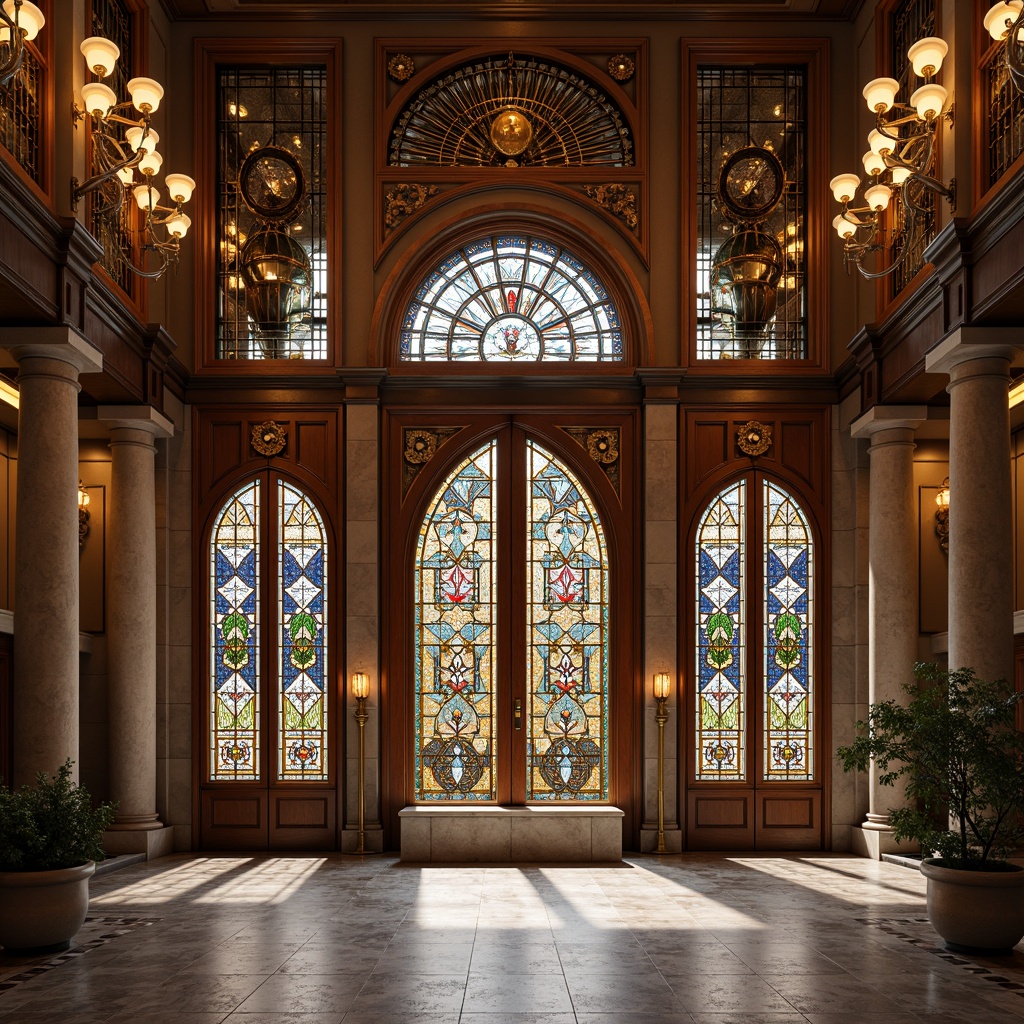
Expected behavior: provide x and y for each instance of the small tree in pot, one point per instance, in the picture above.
(50, 839)
(956, 746)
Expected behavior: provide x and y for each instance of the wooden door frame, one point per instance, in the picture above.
(620, 518)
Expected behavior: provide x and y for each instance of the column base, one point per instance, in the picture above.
(153, 842)
(872, 842)
(649, 839)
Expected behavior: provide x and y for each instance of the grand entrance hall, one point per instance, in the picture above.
(693, 939)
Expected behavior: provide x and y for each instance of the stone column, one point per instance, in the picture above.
(46, 586)
(131, 628)
(893, 596)
(980, 510)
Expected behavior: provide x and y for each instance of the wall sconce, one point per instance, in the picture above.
(115, 160)
(20, 21)
(83, 514)
(1003, 23)
(901, 151)
(942, 516)
(361, 690)
(662, 689)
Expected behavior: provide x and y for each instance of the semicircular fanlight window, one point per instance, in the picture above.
(511, 298)
(503, 111)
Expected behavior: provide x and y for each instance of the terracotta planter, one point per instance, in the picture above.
(41, 911)
(976, 911)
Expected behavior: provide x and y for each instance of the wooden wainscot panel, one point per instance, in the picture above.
(221, 447)
(300, 812)
(720, 822)
(788, 812)
(235, 811)
(720, 812)
(312, 441)
(708, 448)
(789, 821)
(303, 822)
(797, 450)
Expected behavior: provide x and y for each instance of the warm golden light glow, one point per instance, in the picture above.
(662, 685)
(9, 394)
(360, 685)
(1017, 394)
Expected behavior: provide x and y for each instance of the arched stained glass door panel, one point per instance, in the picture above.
(269, 702)
(753, 746)
(498, 719)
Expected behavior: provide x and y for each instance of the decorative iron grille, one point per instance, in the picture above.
(910, 21)
(21, 106)
(509, 111)
(112, 20)
(272, 213)
(1005, 140)
(765, 107)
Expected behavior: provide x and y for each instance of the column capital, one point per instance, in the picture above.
(888, 417)
(136, 417)
(968, 343)
(62, 343)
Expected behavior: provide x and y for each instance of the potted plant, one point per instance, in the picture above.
(956, 745)
(49, 843)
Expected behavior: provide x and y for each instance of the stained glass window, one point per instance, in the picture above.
(567, 626)
(303, 691)
(455, 635)
(511, 299)
(788, 752)
(721, 638)
(234, 735)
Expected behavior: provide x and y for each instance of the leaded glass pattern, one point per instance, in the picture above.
(1005, 141)
(21, 115)
(234, 728)
(744, 106)
(788, 748)
(303, 690)
(511, 299)
(567, 627)
(721, 638)
(455, 636)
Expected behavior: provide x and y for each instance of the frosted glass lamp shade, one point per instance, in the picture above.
(844, 229)
(127, 176)
(179, 187)
(147, 197)
(880, 94)
(98, 98)
(879, 143)
(662, 685)
(150, 163)
(360, 685)
(100, 55)
(844, 187)
(873, 163)
(30, 18)
(178, 225)
(929, 101)
(926, 55)
(1000, 17)
(135, 139)
(900, 174)
(877, 197)
(146, 94)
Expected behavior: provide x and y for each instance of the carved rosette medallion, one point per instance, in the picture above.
(602, 445)
(268, 438)
(617, 199)
(419, 446)
(620, 67)
(403, 200)
(401, 67)
(754, 438)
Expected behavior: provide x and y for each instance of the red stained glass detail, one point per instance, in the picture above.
(511, 299)
(457, 584)
(566, 586)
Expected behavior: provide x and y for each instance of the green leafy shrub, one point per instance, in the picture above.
(50, 825)
(956, 745)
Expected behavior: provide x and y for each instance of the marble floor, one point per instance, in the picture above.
(691, 939)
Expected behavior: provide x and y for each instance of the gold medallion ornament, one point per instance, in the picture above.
(603, 446)
(754, 438)
(268, 438)
(401, 67)
(419, 447)
(620, 67)
(511, 132)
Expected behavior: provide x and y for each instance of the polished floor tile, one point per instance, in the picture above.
(691, 939)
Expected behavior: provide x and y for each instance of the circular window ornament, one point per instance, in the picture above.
(510, 337)
(511, 132)
(751, 183)
(272, 183)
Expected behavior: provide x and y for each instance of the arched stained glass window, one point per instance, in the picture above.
(455, 636)
(721, 638)
(567, 618)
(241, 601)
(788, 750)
(303, 691)
(235, 628)
(509, 299)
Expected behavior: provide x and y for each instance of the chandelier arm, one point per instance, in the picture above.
(93, 183)
(167, 253)
(1014, 61)
(15, 46)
